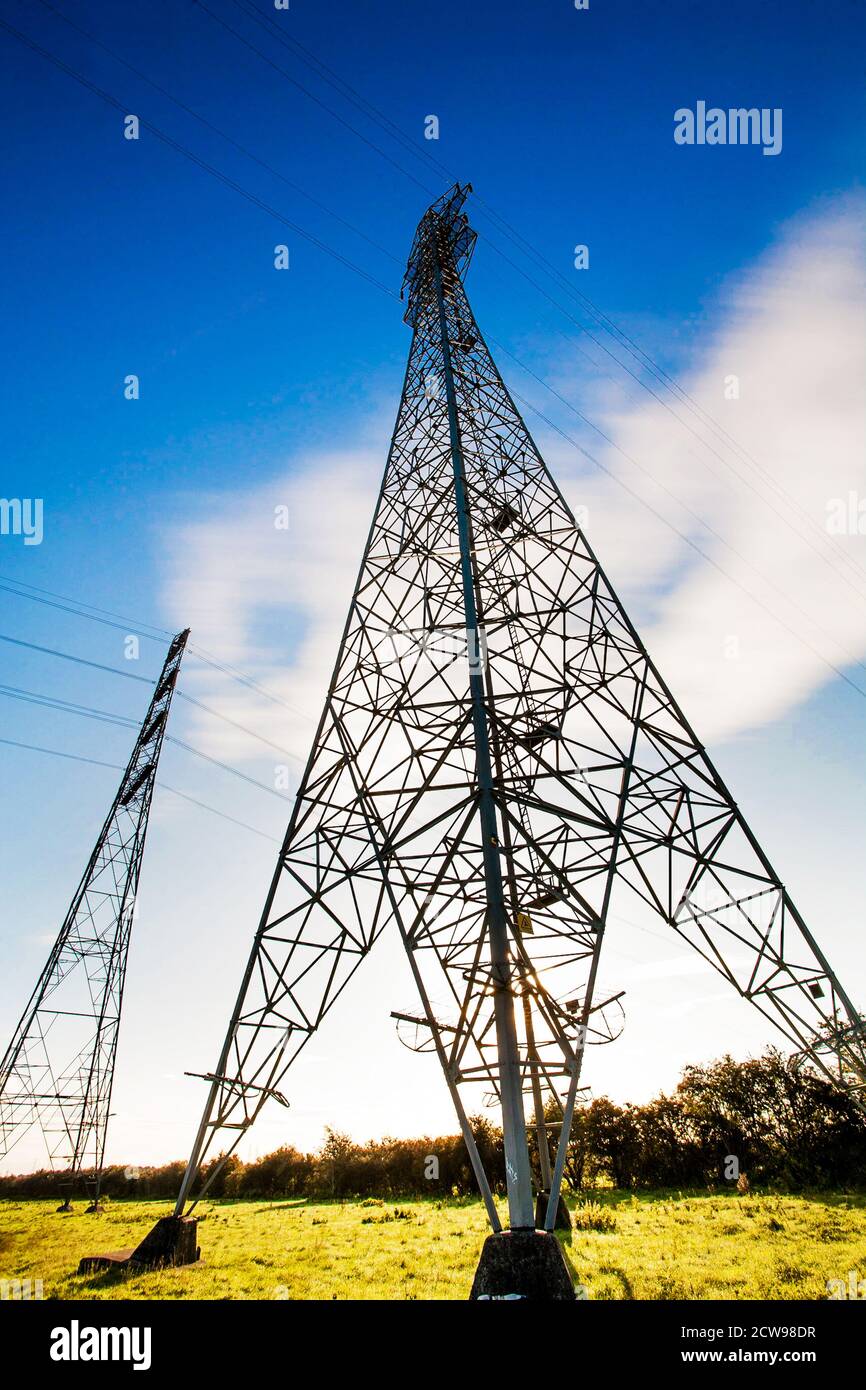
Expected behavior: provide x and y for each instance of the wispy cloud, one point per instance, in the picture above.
(272, 598)
(273, 601)
(790, 329)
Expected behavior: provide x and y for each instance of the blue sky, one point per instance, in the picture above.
(123, 257)
(256, 385)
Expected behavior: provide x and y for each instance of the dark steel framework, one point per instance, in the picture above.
(58, 1070)
(497, 753)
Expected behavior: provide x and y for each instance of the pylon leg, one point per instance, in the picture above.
(563, 1216)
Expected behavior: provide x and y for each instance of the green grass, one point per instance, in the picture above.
(651, 1246)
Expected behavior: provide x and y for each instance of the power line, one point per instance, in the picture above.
(672, 384)
(767, 502)
(312, 96)
(109, 717)
(209, 125)
(130, 675)
(116, 767)
(690, 542)
(658, 372)
(238, 188)
(226, 767)
(251, 197)
(222, 814)
(199, 704)
(33, 697)
(77, 609)
(157, 635)
(849, 656)
(345, 89)
(248, 681)
(79, 660)
(196, 159)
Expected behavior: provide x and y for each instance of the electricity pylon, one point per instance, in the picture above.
(497, 753)
(58, 1070)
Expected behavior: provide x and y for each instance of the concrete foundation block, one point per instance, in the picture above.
(522, 1265)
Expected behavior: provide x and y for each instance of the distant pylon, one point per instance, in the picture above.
(497, 756)
(58, 1070)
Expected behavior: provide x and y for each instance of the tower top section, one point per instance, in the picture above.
(444, 226)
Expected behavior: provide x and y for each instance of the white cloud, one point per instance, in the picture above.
(791, 329)
(273, 602)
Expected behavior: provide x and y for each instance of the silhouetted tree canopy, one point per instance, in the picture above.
(786, 1126)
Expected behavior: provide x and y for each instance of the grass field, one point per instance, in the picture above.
(652, 1246)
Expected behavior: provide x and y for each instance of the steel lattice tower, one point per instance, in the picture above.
(497, 753)
(58, 1070)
